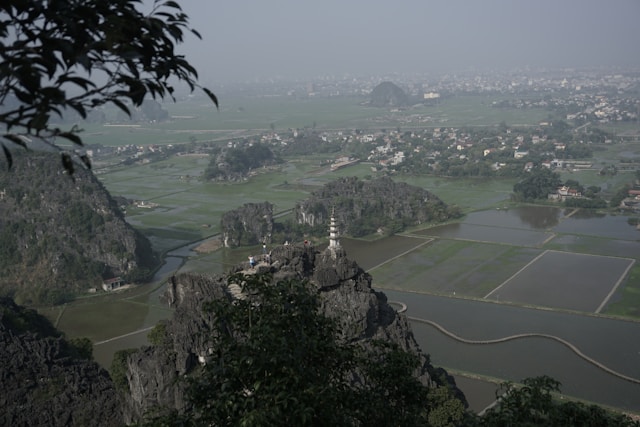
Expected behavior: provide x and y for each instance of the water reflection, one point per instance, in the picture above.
(588, 214)
(539, 217)
(528, 217)
(600, 225)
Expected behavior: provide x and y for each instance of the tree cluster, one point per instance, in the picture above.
(237, 162)
(541, 182)
(276, 360)
(537, 185)
(365, 207)
(535, 403)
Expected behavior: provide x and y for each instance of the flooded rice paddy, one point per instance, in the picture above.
(565, 280)
(611, 342)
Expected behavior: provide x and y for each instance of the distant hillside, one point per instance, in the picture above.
(378, 205)
(387, 94)
(237, 163)
(60, 235)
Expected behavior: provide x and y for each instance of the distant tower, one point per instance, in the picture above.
(333, 231)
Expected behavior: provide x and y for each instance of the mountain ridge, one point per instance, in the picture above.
(62, 235)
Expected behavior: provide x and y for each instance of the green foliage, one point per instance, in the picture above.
(308, 142)
(158, 335)
(537, 185)
(49, 51)
(21, 320)
(619, 196)
(138, 275)
(277, 361)
(118, 369)
(9, 253)
(533, 404)
(579, 151)
(365, 207)
(235, 162)
(390, 384)
(59, 238)
(52, 296)
(595, 203)
(572, 183)
(81, 348)
(82, 219)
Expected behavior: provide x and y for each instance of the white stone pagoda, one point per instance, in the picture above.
(334, 243)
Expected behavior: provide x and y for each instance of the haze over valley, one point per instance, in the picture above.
(460, 180)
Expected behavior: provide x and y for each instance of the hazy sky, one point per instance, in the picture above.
(245, 39)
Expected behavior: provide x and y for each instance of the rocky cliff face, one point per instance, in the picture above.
(363, 314)
(61, 234)
(43, 383)
(248, 225)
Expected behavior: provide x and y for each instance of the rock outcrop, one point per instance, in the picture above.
(347, 295)
(369, 206)
(248, 225)
(388, 94)
(238, 163)
(43, 382)
(61, 234)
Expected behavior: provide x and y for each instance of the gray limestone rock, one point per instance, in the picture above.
(347, 295)
(43, 382)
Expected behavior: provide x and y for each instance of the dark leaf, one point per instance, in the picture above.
(211, 96)
(79, 109)
(16, 139)
(121, 105)
(67, 163)
(71, 137)
(172, 4)
(7, 155)
(39, 121)
(85, 159)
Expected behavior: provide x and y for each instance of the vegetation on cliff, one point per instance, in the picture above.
(62, 235)
(535, 404)
(47, 380)
(250, 224)
(278, 360)
(277, 357)
(365, 207)
(361, 207)
(236, 163)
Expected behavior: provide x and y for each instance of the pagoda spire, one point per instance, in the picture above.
(333, 230)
